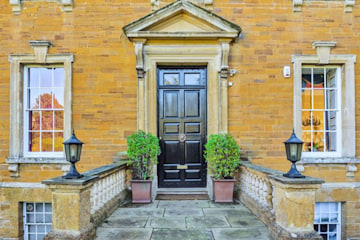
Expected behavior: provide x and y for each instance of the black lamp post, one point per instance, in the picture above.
(73, 151)
(293, 148)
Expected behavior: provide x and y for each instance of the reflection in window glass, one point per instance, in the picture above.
(45, 108)
(327, 221)
(192, 79)
(320, 114)
(171, 79)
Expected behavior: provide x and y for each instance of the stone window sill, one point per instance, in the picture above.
(349, 163)
(39, 160)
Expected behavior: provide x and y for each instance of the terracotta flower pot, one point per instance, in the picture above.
(141, 191)
(223, 190)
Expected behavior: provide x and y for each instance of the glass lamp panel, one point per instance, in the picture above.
(293, 151)
(298, 151)
(78, 152)
(67, 152)
(46, 142)
(73, 152)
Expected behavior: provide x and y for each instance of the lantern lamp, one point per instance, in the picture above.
(73, 152)
(293, 147)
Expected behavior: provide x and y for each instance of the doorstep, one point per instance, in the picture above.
(182, 194)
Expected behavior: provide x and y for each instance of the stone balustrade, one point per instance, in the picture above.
(80, 205)
(285, 205)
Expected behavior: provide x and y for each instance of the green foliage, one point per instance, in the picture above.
(222, 154)
(142, 149)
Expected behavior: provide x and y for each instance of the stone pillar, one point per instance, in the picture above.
(71, 208)
(294, 205)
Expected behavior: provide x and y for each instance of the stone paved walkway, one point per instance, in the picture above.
(182, 220)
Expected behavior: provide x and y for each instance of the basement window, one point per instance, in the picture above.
(327, 220)
(37, 220)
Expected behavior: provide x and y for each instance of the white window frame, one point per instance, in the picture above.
(28, 153)
(347, 146)
(338, 151)
(318, 211)
(35, 224)
(17, 64)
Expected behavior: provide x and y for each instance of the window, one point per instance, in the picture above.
(40, 105)
(324, 106)
(37, 220)
(320, 110)
(43, 111)
(327, 220)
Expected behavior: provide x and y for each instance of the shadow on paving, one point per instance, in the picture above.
(182, 220)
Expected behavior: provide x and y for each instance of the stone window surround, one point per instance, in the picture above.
(67, 5)
(348, 5)
(17, 63)
(347, 63)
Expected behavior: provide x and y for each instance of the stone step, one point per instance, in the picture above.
(182, 194)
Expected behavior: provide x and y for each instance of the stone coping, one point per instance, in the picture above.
(260, 168)
(336, 160)
(306, 180)
(88, 177)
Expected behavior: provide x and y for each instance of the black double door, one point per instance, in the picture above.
(182, 127)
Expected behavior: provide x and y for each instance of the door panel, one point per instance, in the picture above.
(182, 127)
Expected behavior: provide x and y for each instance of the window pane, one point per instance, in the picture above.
(30, 218)
(318, 120)
(171, 79)
(39, 207)
(46, 77)
(192, 79)
(46, 142)
(34, 74)
(48, 228)
(331, 78)
(30, 207)
(48, 207)
(58, 98)
(319, 99)
(32, 229)
(41, 228)
(306, 78)
(59, 120)
(39, 218)
(59, 139)
(40, 236)
(318, 142)
(47, 120)
(59, 77)
(331, 99)
(34, 98)
(318, 78)
(306, 99)
(48, 218)
(46, 99)
(32, 237)
(34, 118)
(34, 140)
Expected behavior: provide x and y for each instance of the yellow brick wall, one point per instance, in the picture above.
(104, 76)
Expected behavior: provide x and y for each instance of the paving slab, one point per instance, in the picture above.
(228, 205)
(181, 234)
(245, 221)
(206, 222)
(184, 204)
(123, 233)
(239, 234)
(177, 212)
(225, 212)
(125, 222)
(140, 212)
(153, 204)
(166, 222)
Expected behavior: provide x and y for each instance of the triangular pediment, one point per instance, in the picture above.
(182, 19)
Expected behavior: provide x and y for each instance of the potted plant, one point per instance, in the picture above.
(142, 149)
(222, 155)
